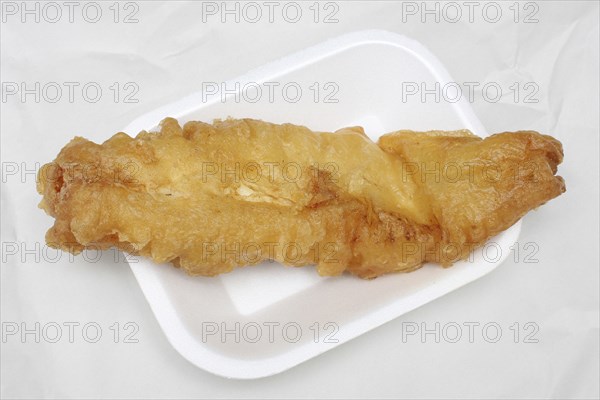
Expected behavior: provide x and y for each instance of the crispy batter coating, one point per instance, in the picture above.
(211, 197)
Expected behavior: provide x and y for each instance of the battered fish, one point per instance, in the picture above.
(211, 197)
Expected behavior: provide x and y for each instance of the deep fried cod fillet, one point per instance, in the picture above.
(211, 197)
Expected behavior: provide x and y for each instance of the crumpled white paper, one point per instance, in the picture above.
(167, 54)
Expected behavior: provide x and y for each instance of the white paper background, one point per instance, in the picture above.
(168, 54)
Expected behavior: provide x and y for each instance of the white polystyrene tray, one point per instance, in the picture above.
(369, 68)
